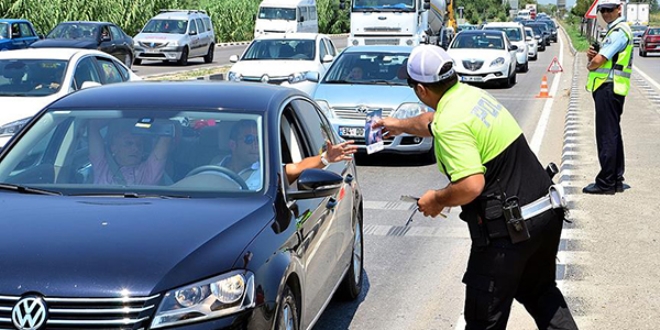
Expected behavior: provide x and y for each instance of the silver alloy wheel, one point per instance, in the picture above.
(357, 253)
(288, 317)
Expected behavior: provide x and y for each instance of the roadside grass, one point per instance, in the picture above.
(192, 74)
(579, 41)
(654, 20)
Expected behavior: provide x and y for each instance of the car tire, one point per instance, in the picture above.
(642, 53)
(128, 61)
(137, 61)
(287, 316)
(536, 57)
(526, 67)
(508, 83)
(351, 285)
(183, 61)
(208, 58)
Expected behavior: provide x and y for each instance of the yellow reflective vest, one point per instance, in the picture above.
(621, 70)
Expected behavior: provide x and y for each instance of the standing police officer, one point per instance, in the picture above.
(609, 81)
(497, 180)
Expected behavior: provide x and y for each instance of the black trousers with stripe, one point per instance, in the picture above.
(609, 108)
(525, 271)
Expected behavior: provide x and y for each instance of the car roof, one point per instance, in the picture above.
(503, 24)
(378, 48)
(47, 53)
(179, 14)
(87, 22)
(177, 95)
(294, 35)
(13, 20)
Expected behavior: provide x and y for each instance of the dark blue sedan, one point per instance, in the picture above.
(129, 206)
(16, 34)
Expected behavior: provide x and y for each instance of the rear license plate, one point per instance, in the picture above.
(354, 132)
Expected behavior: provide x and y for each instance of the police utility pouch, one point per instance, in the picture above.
(515, 223)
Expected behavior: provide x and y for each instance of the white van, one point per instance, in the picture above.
(286, 16)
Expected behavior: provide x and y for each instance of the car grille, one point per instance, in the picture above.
(382, 29)
(271, 80)
(88, 313)
(381, 41)
(353, 113)
(153, 44)
(472, 65)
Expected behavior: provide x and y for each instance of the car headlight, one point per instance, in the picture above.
(408, 110)
(297, 77)
(497, 61)
(13, 127)
(325, 108)
(233, 76)
(216, 297)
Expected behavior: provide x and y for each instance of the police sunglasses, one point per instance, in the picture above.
(250, 139)
(606, 10)
(411, 83)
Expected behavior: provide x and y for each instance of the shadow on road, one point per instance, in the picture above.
(339, 314)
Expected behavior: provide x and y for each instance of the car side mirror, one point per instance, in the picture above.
(315, 183)
(528, 38)
(88, 84)
(301, 19)
(327, 58)
(192, 33)
(41, 36)
(312, 76)
(514, 47)
(233, 58)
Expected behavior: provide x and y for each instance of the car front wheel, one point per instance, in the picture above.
(183, 61)
(287, 318)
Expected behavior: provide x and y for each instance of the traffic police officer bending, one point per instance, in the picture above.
(609, 81)
(513, 211)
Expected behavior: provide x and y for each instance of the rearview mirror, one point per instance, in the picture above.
(233, 58)
(192, 33)
(312, 76)
(315, 183)
(88, 84)
(327, 58)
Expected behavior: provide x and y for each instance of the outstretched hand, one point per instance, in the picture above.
(391, 127)
(341, 151)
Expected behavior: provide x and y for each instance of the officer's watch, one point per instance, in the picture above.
(323, 159)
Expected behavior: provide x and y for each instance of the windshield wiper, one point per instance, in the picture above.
(28, 190)
(131, 195)
(386, 82)
(12, 94)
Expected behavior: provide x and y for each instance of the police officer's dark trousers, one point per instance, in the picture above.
(525, 271)
(609, 107)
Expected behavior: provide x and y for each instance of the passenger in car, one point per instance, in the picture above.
(356, 73)
(120, 160)
(244, 157)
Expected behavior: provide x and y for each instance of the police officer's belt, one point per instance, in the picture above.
(553, 200)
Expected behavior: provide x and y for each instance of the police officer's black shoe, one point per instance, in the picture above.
(597, 190)
(621, 187)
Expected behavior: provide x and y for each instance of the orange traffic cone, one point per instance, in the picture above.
(544, 89)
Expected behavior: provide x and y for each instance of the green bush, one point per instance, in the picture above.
(579, 41)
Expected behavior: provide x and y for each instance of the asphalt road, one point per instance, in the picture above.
(413, 275)
(649, 66)
(221, 58)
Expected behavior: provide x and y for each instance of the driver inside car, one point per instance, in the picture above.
(244, 155)
(120, 158)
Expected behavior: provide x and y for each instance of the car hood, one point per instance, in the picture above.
(486, 55)
(373, 96)
(274, 68)
(72, 43)
(98, 246)
(158, 37)
(19, 107)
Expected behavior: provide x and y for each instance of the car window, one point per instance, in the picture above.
(274, 13)
(367, 68)
(15, 31)
(480, 41)
(74, 31)
(330, 47)
(319, 131)
(122, 69)
(26, 31)
(323, 50)
(313, 15)
(109, 71)
(154, 152)
(280, 49)
(85, 71)
(513, 33)
(292, 150)
(4, 30)
(172, 26)
(193, 26)
(200, 25)
(116, 33)
(207, 22)
(31, 77)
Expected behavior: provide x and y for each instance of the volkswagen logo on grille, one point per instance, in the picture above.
(362, 109)
(29, 313)
(265, 78)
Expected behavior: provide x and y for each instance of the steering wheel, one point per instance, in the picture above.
(217, 168)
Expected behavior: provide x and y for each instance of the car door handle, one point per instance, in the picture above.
(332, 202)
(349, 178)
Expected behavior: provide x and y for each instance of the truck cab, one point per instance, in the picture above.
(396, 22)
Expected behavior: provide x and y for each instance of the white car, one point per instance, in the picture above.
(285, 59)
(30, 79)
(516, 34)
(482, 56)
(532, 44)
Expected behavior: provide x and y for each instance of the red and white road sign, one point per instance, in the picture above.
(554, 66)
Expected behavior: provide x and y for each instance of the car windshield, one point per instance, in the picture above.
(31, 77)
(482, 41)
(537, 29)
(281, 49)
(383, 5)
(654, 32)
(512, 32)
(74, 31)
(368, 68)
(4, 31)
(272, 13)
(529, 33)
(174, 26)
(638, 28)
(134, 153)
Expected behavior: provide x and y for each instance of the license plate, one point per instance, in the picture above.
(151, 51)
(356, 132)
(471, 79)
